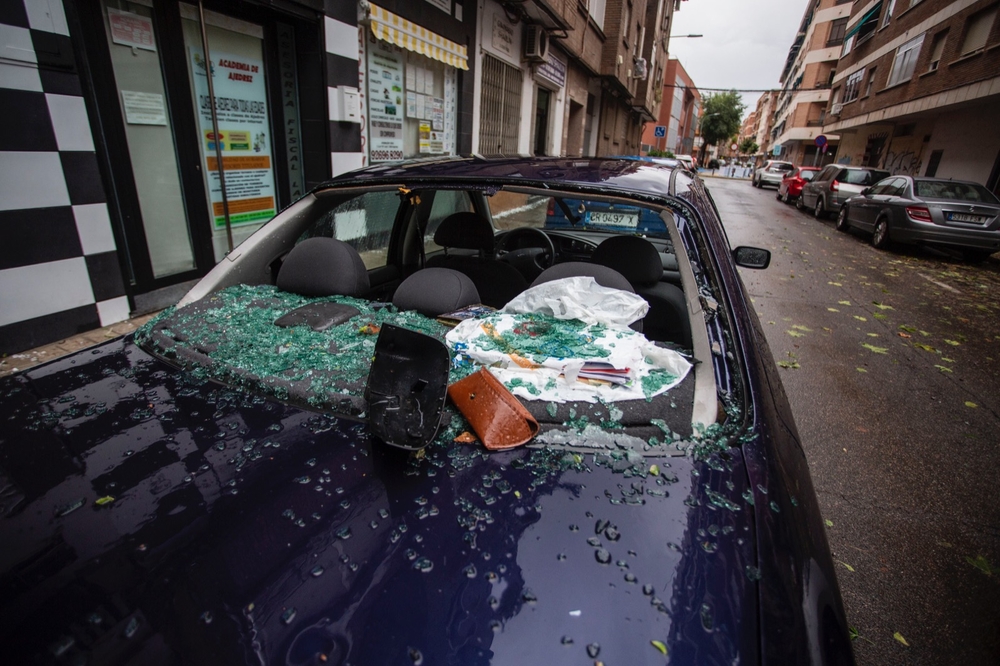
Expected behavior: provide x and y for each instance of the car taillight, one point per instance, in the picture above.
(835, 186)
(919, 213)
(552, 208)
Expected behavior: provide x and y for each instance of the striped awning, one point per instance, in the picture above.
(396, 30)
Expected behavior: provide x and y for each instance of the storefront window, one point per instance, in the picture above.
(244, 136)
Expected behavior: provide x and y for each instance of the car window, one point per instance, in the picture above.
(364, 222)
(784, 166)
(936, 189)
(861, 176)
(895, 187)
(445, 203)
(807, 174)
(510, 210)
(882, 187)
(827, 173)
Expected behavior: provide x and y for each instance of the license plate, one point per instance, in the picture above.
(628, 220)
(965, 217)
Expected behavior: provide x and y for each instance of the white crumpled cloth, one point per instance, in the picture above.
(581, 298)
(555, 379)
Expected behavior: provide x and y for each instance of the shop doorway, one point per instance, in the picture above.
(543, 100)
(162, 146)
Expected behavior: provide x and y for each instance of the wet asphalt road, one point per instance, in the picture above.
(902, 435)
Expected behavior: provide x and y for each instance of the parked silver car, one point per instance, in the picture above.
(835, 184)
(930, 211)
(771, 173)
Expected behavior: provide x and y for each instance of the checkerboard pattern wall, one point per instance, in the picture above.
(59, 270)
(340, 32)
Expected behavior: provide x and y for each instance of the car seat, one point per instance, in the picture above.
(435, 291)
(323, 266)
(497, 282)
(640, 263)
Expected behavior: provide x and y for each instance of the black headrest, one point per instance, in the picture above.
(435, 291)
(634, 257)
(604, 276)
(323, 267)
(467, 231)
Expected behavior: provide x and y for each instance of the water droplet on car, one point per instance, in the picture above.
(593, 650)
(206, 617)
(647, 589)
(594, 541)
(753, 573)
(566, 640)
(612, 534)
(344, 533)
(416, 657)
(602, 556)
(317, 571)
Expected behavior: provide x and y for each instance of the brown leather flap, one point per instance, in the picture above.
(499, 419)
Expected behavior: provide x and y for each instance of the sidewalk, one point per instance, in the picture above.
(32, 357)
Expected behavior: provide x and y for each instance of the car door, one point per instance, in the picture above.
(895, 200)
(866, 206)
(810, 189)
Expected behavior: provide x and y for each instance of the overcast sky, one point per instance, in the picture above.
(745, 43)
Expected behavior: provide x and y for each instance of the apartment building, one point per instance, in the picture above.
(763, 116)
(917, 89)
(806, 80)
(679, 113)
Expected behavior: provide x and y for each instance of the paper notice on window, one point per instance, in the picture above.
(411, 104)
(437, 113)
(130, 29)
(143, 108)
(411, 77)
(425, 137)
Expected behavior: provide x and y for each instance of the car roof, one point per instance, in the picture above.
(941, 180)
(625, 175)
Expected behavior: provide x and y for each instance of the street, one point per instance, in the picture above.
(890, 361)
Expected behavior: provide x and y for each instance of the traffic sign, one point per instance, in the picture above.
(733, 147)
(821, 140)
(660, 131)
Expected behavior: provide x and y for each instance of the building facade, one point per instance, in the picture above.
(763, 123)
(679, 113)
(806, 80)
(917, 89)
(125, 118)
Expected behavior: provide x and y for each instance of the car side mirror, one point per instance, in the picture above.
(865, 192)
(751, 257)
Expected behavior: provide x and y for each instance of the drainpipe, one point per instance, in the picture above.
(215, 127)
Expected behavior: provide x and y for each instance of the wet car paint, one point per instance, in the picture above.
(243, 530)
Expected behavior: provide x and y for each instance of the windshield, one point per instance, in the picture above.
(937, 189)
(511, 210)
(781, 166)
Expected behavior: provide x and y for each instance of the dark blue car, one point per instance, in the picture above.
(271, 473)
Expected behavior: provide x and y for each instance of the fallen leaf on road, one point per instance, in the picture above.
(953, 343)
(795, 334)
(835, 284)
(872, 335)
(846, 566)
(800, 327)
(874, 349)
(879, 315)
(943, 368)
(843, 302)
(928, 348)
(829, 523)
(983, 565)
(970, 404)
(833, 309)
(908, 329)
(904, 335)
(791, 365)
(861, 370)
(882, 306)
(899, 637)
(947, 360)
(860, 318)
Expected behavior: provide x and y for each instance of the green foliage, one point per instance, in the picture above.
(748, 146)
(656, 152)
(721, 115)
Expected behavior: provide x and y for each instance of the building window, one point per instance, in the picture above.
(596, 9)
(837, 30)
(937, 48)
(905, 61)
(888, 13)
(871, 81)
(852, 86)
(977, 30)
(848, 44)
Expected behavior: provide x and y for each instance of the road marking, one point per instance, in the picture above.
(940, 284)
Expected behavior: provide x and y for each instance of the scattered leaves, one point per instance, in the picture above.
(800, 327)
(835, 284)
(943, 368)
(953, 343)
(795, 334)
(879, 315)
(846, 566)
(983, 565)
(904, 335)
(899, 637)
(829, 523)
(833, 310)
(872, 335)
(927, 348)
(908, 329)
(659, 646)
(860, 318)
(843, 302)
(791, 365)
(874, 349)
(970, 404)
(861, 370)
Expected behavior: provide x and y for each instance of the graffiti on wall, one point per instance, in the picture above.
(902, 163)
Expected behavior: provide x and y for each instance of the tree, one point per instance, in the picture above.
(656, 152)
(720, 119)
(749, 146)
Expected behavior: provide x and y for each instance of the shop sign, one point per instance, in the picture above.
(385, 102)
(553, 69)
(503, 35)
(130, 29)
(290, 110)
(243, 137)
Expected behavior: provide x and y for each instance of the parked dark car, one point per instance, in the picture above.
(930, 211)
(269, 473)
(791, 185)
(834, 185)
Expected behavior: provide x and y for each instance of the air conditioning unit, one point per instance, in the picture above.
(639, 69)
(536, 43)
(836, 109)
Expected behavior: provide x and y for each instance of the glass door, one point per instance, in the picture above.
(241, 134)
